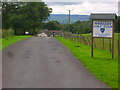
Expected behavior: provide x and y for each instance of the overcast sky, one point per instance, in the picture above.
(83, 7)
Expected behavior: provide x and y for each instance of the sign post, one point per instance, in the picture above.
(113, 40)
(102, 27)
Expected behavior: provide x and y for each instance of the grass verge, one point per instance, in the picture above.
(11, 40)
(102, 66)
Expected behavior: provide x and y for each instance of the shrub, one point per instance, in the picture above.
(7, 33)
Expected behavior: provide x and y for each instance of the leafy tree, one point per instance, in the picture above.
(8, 8)
(24, 16)
(81, 27)
(53, 25)
(75, 27)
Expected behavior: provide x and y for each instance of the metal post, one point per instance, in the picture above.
(69, 23)
(69, 18)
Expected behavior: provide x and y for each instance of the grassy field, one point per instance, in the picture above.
(102, 66)
(11, 40)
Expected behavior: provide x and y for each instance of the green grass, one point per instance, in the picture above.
(4, 42)
(98, 42)
(102, 66)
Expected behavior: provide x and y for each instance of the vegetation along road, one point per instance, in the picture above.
(40, 62)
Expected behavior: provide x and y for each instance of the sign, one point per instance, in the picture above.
(103, 28)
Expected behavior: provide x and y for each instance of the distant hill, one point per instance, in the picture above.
(63, 18)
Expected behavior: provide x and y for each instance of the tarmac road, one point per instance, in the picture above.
(40, 62)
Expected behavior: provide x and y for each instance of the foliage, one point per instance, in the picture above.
(81, 27)
(24, 16)
(102, 66)
(75, 27)
(52, 25)
(118, 25)
(7, 33)
(37, 31)
(86, 27)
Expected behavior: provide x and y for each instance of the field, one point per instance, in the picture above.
(4, 42)
(102, 66)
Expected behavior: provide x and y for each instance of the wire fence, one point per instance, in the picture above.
(100, 43)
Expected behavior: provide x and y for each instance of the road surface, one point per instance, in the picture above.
(40, 62)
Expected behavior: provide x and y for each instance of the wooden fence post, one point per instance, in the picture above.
(110, 44)
(103, 42)
(92, 48)
(78, 38)
(94, 43)
(118, 48)
(88, 41)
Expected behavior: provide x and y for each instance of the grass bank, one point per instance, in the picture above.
(4, 42)
(102, 66)
(100, 43)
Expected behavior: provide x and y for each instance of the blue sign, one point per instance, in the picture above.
(102, 30)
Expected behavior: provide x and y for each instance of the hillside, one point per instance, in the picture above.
(63, 18)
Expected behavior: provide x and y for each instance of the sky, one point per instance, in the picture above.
(83, 7)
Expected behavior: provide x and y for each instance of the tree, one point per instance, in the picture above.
(8, 8)
(75, 27)
(53, 25)
(118, 25)
(81, 27)
(24, 16)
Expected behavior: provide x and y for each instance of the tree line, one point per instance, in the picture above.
(24, 16)
(32, 16)
(79, 27)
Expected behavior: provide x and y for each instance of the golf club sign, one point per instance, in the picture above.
(103, 27)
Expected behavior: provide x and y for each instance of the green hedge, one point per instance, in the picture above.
(7, 33)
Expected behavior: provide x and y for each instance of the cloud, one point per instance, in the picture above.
(81, 1)
(85, 8)
(110, 7)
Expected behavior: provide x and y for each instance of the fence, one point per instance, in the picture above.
(100, 43)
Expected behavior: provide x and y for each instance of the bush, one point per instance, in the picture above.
(37, 31)
(7, 33)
